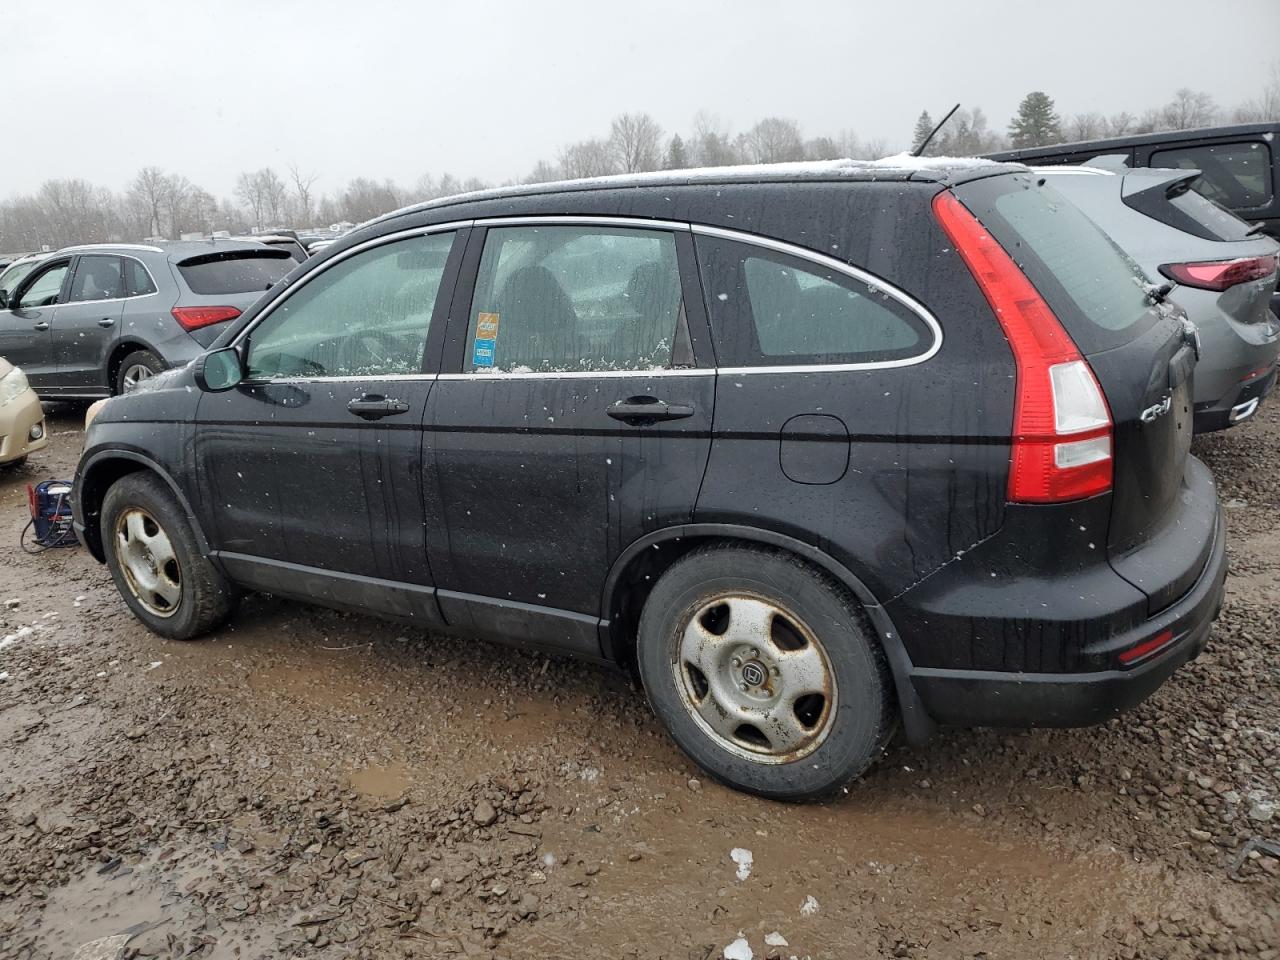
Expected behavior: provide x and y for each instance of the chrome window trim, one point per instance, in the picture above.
(570, 220)
(136, 296)
(583, 374)
(344, 255)
(838, 266)
(264, 381)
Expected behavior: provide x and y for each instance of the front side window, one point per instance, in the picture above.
(569, 299)
(771, 309)
(97, 278)
(366, 316)
(1236, 175)
(44, 290)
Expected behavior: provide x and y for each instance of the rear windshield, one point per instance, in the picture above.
(1090, 284)
(1219, 223)
(236, 271)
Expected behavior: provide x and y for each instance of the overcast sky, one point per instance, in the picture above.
(377, 88)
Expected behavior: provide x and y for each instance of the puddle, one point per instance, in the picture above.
(144, 902)
(386, 782)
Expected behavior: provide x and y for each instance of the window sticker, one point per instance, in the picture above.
(486, 339)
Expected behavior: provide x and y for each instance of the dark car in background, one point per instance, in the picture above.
(92, 321)
(1238, 164)
(816, 451)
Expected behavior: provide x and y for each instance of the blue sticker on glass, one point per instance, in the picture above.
(482, 353)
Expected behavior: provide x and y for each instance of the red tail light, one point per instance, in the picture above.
(1147, 647)
(1061, 423)
(193, 318)
(1220, 274)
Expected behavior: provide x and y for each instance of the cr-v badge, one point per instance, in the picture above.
(1158, 410)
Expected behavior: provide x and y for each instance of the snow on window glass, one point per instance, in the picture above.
(366, 316)
(564, 299)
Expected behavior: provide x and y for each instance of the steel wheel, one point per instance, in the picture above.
(134, 374)
(755, 678)
(148, 562)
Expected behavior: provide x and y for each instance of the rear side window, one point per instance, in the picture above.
(568, 299)
(97, 278)
(233, 272)
(772, 309)
(1093, 287)
(1236, 175)
(137, 282)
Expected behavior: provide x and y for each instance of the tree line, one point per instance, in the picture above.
(158, 203)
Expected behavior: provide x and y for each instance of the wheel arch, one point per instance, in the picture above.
(96, 476)
(126, 345)
(638, 567)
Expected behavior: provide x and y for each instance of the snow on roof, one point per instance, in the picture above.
(898, 166)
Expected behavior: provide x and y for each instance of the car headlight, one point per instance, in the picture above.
(12, 385)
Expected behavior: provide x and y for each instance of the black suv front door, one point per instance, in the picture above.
(313, 465)
(572, 419)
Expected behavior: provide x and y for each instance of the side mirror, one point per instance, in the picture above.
(219, 370)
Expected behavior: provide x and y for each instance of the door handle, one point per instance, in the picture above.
(642, 410)
(106, 321)
(41, 326)
(374, 406)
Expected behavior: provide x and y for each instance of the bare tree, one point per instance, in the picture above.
(1118, 124)
(587, 158)
(1265, 106)
(249, 192)
(302, 184)
(773, 140)
(262, 191)
(363, 199)
(712, 144)
(1188, 108)
(1085, 126)
(149, 191)
(635, 140)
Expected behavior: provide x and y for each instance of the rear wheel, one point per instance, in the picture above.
(156, 562)
(765, 672)
(136, 367)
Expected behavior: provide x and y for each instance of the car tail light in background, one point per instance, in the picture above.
(1220, 274)
(193, 318)
(1062, 429)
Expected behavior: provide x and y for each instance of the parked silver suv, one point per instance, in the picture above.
(92, 321)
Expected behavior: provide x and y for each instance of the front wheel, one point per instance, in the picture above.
(156, 562)
(765, 672)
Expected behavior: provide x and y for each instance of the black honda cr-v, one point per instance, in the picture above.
(816, 451)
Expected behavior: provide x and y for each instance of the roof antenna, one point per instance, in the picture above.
(934, 132)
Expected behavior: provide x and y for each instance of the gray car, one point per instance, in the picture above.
(1220, 270)
(92, 321)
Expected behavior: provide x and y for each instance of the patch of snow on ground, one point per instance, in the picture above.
(809, 907)
(743, 858)
(738, 950)
(10, 639)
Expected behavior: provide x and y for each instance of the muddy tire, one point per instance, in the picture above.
(765, 671)
(136, 367)
(156, 562)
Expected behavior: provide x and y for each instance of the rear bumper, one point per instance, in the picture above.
(1239, 403)
(977, 698)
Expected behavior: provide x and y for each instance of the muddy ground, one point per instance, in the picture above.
(316, 784)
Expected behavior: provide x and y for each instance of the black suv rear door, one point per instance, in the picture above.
(313, 465)
(572, 418)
